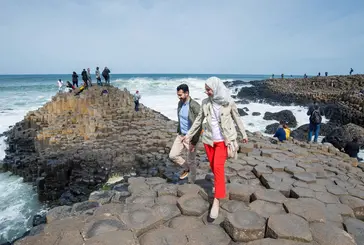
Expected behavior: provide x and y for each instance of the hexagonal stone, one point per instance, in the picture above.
(279, 166)
(266, 209)
(336, 190)
(140, 188)
(167, 211)
(246, 174)
(192, 205)
(102, 197)
(333, 217)
(81, 207)
(325, 234)
(298, 192)
(187, 189)
(317, 187)
(114, 237)
(232, 206)
(270, 241)
(282, 187)
(58, 213)
(244, 226)
(99, 225)
(354, 203)
(71, 237)
(168, 199)
(239, 180)
(301, 184)
(208, 235)
(155, 181)
(326, 197)
(269, 196)
(165, 189)
(355, 228)
(142, 200)
(163, 236)
(305, 177)
(293, 169)
(271, 178)
(261, 169)
(241, 192)
(136, 180)
(342, 209)
(308, 208)
(141, 219)
(235, 166)
(186, 223)
(356, 192)
(288, 226)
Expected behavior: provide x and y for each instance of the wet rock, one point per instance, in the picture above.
(271, 128)
(289, 226)
(256, 114)
(244, 226)
(285, 115)
(242, 112)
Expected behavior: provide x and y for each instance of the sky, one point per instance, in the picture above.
(182, 36)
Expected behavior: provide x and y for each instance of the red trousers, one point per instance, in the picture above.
(217, 156)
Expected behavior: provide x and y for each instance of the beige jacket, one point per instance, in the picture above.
(228, 115)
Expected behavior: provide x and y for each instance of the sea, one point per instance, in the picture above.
(20, 94)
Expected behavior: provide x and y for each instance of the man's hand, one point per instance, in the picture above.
(245, 141)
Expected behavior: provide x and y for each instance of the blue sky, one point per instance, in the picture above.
(182, 36)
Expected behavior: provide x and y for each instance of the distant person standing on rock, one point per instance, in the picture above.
(218, 116)
(106, 75)
(326, 73)
(89, 79)
(305, 76)
(98, 76)
(84, 77)
(60, 85)
(351, 71)
(187, 111)
(136, 97)
(319, 74)
(282, 76)
(315, 114)
(75, 79)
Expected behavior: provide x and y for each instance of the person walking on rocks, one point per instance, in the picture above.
(315, 114)
(75, 79)
(106, 75)
(60, 85)
(98, 76)
(84, 77)
(351, 71)
(217, 116)
(187, 111)
(137, 97)
(89, 79)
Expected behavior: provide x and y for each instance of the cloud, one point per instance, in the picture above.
(182, 36)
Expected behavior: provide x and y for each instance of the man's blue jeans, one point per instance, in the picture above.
(313, 128)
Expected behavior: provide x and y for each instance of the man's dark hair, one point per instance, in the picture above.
(355, 139)
(184, 88)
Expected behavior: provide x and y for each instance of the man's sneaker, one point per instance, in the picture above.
(184, 174)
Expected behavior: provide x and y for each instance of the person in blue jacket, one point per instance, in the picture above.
(280, 133)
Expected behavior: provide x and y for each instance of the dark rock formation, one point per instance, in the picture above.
(272, 128)
(242, 112)
(256, 113)
(234, 83)
(285, 115)
(340, 136)
(244, 102)
(301, 133)
(71, 145)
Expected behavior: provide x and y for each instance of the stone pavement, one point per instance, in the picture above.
(284, 194)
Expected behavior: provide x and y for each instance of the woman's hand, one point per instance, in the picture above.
(245, 141)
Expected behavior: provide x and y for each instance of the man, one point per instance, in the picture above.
(187, 111)
(89, 77)
(315, 114)
(136, 100)
(106, 75)
(98, 77)
(351, 71)
(84, 77)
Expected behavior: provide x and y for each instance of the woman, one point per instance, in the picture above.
(217, 116)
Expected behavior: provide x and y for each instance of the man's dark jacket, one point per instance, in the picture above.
(193, 111)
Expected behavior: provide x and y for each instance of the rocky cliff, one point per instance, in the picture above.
(340, 94)
(72, 144)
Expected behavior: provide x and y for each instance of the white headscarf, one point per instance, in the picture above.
(222, 94)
